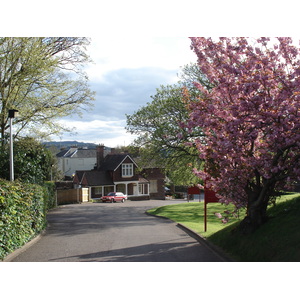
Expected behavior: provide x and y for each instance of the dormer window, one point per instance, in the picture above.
(127, 170)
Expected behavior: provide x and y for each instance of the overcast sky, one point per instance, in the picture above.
(125, 73)
(138, 45)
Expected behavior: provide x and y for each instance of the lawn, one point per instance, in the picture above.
(191, 214)
(277, 240)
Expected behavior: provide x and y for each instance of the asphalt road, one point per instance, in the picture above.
(113, 232)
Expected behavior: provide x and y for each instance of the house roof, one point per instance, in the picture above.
(102, 175)
(143, 179)
(84, 153)
(113, 161)
(94, 178)
(79, 175)
(62, 153)
(77, 153)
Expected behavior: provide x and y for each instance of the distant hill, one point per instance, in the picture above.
(67, 144)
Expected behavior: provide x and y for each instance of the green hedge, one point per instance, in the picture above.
(23, 208)
(49, 195)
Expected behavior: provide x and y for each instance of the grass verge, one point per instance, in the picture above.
(277, 240)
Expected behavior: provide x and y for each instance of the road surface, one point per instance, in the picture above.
(113, 232)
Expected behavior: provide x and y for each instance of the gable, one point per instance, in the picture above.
(113, 161)
(78, 177)
(126, 160)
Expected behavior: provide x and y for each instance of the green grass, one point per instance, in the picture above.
(277, 240)
(191, 214)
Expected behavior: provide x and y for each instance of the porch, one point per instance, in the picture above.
(134, 190)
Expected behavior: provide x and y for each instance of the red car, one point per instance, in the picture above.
(114, 197)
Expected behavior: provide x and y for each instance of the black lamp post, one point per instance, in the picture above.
(12, 113)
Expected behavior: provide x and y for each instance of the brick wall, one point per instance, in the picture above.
(155, 176)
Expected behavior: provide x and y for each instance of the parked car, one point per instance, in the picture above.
(114, 197)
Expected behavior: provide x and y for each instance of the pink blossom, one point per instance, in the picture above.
(250, 117)
(225, 220)
(218, 215)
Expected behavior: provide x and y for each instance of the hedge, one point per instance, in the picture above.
(49, 195)
(23, 208)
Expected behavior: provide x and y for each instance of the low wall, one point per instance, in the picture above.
(142, 197)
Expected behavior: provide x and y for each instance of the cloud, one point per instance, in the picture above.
(124, 91)
(125, 74)
(110, 133)
(118, 93)
(133, 52)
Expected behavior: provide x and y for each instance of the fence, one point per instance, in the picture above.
(72, 196)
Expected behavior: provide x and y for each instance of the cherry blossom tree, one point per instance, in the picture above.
(251, 120)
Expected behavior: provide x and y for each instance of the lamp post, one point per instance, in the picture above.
(12, 113)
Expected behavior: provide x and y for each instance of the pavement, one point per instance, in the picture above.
(116, 232)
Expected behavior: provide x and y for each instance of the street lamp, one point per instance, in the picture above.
(12, 113)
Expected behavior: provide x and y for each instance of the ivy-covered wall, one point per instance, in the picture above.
(23, 208)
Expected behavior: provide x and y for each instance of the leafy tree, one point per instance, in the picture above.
(160, 135)
(33, 163)
(250, 118)
(43, 79)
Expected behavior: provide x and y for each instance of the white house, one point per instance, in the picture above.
(76, 159)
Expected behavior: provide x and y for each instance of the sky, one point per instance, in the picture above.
(125, 73)
(137, 46)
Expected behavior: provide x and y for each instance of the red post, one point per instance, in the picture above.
(209, 197)
(205, 217)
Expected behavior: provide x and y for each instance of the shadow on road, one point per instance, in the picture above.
(114, 233)
(162, 252)
(72, 220)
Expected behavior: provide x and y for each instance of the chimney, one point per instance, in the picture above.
(100, 155)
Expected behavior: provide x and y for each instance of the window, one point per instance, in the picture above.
(127, 170)
(121, 188)
(143, 189)
(153, 186)
(98, 190)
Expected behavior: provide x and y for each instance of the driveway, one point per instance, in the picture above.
(113, 232)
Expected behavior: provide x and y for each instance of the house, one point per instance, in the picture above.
(76, 159)
(119, 173)
(156, 179)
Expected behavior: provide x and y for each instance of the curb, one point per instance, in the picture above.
(15, 253)
(200, 239)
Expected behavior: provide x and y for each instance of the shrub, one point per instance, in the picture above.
(49, 195)
(23, 208)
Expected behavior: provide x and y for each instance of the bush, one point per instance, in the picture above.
(49, 195)
(23, 209)
(33, 162)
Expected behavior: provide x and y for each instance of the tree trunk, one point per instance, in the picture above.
(256, 210)
(256, 216)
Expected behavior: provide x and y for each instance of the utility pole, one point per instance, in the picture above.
(12, 113)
